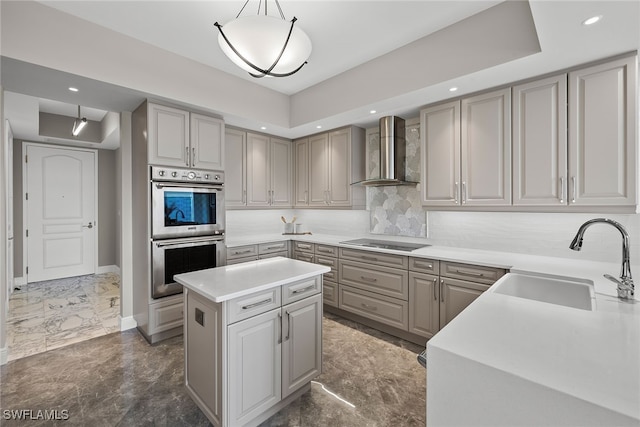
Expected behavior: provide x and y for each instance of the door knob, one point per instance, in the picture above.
(88, 226)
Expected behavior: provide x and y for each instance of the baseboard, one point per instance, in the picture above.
(127, 323)
(101, 269)
(4, 355)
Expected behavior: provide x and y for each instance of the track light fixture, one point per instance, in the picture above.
(78, 124)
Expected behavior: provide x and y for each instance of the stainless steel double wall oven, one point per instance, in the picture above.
(187, 225)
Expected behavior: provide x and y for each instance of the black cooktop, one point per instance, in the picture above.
(385, 244)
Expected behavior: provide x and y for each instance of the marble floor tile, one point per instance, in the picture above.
(65, 311)
(368, 379)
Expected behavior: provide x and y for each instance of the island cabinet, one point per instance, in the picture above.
(249, 356)
(184, 139)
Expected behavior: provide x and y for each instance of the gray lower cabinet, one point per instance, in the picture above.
(248, 357)
(424, 304)
(456, 295)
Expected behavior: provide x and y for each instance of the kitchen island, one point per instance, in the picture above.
(253, 337)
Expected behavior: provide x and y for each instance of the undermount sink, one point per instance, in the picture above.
(549, 289)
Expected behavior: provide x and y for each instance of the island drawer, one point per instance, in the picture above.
(248, 306)
(301, 289)
(383, 280)
(303, 246)
(474, 273)
(377, 258)
(389, 311)
(330, 293)
(424, 265)
(331, 251)
(242, 251)
(267, 248)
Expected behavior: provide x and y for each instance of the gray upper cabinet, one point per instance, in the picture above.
(602, 134)
(485, 149)
(235, 185)
(182, 139)
(440, 148)
(334, 160)
(280, 173)
(540, 142)
(268, 162)
(466, 151)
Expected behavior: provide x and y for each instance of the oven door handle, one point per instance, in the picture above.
(215, 187)
(189, 242)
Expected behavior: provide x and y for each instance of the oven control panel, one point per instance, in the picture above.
(161, 173)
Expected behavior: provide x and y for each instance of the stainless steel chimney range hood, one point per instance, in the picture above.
(392, 155)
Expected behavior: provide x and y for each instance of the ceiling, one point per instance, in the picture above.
(346, 36)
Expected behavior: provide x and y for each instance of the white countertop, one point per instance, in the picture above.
(224, 283)
(592, 355)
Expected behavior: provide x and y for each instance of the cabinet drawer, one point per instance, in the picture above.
(241, 260)
(248, 306)
(303, 256)
(424, 265)
(303, 247)
(332, 276)
(474, 273)
(242, 251)
(383, 309)
(329, 262)
(301, 289)
(377, 258)
(274, 254)
(330, 293)
(267, 248)
(165, 316)
(383, 280)
(326, 250)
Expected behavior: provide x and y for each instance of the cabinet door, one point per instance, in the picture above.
(424, 305)
(340, 168)
(486, 149)
(255, 372)
(318, 170)
(455, 296)
(301, 343)
(168, 136)
(440, 145)
(301, 172)
(258, 170)
(235, 172)
(207, 142)
(540, 142)
(602, 134)
(280, 172)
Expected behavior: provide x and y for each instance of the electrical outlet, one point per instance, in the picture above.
(200, 316)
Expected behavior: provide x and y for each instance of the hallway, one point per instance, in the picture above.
(46, 315)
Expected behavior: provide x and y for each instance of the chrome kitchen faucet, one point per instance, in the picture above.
(625, 283)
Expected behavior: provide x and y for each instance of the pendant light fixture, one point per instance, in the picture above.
(265, 45)
(78, 124)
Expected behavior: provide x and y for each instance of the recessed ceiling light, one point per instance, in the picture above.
(263, 127)
(319, 127)
(372, 112)
(73, 89)
(453, 89)
(592, 20)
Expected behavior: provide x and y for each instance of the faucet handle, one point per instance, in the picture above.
(613, 279)
(625, 287)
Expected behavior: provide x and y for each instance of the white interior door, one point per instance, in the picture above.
(60, 212)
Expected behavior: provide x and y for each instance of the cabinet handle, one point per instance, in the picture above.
(280, 328)
(244, 197)
(256, 304)
(304, 246)
(324, 262)
(274, 247)
(464, 192)
(186, 156)
(369, 307)
(457, 193)
(193, 156)
(299, 291)
(242, 252)
(469, 273)
(369, 279)
(442, 290)
(435, 284)
(288, 325)
(573, 192)
(369, 258)
(562, 189)
(325, 250)
(419, 264)
(306, 197)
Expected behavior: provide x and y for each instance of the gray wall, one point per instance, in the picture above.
(107, 208)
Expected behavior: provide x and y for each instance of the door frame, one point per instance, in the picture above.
(25, 244)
